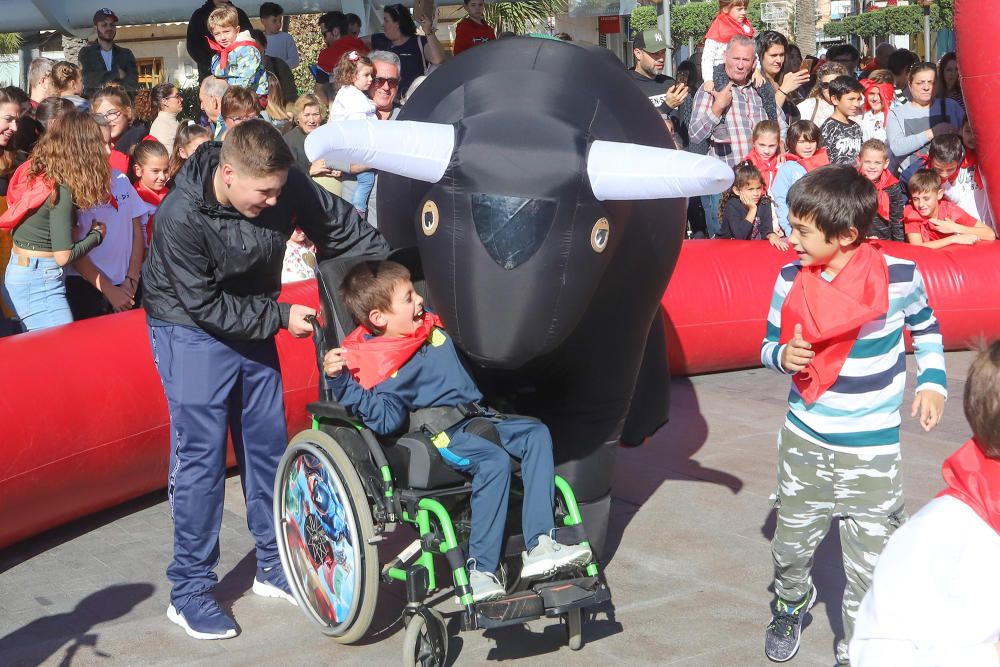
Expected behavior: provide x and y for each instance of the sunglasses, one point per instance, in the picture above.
(380, 81)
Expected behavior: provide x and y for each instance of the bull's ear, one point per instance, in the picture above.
(620, 171)
(408, 148)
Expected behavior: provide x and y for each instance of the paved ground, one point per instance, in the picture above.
(689, 570)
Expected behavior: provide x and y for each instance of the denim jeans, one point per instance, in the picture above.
(711, 205)
(37, 293)
(366, 181)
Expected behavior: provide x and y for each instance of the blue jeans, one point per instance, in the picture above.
(490, 466)
(711, 205)
(37, 292)
(366, 181)
(217, 387)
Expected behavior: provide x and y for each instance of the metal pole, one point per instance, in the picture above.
(927, 33)
(663, 23)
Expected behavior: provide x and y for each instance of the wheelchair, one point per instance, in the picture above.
(340, 490)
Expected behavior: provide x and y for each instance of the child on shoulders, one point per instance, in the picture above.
(745, 211)
(237, 56)
(354, 78)
(843, 137)
(935, 598)
(729, 22)
(400, 360)
(934, 222)
(836, 324)
(873, 164)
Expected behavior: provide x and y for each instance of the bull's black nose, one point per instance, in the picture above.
(512, 228)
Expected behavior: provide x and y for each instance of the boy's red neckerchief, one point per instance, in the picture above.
(974, 479)
(832, 313)
(884, 182)
(224, 51)
(373, 360)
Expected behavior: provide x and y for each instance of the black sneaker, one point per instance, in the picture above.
(781, 640)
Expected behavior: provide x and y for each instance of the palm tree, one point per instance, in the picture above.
(522, 17)
(10, 42)
(805, 26)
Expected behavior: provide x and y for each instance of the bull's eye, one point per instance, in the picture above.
(429, 218)
(599, 235)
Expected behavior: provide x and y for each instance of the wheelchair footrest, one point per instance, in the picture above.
(565, 595)
(511, 610)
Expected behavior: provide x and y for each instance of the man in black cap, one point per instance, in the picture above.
(650, 51)
(104, 61)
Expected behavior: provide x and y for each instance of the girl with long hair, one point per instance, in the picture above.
(10, 112)
(159, 107)
(745, 209)
(949, 84)
(68, 171)
(127, 130)
(67, 81)
(188, 138)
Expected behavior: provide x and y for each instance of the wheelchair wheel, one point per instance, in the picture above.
(323, 522)
(574, 629)
(418, 647)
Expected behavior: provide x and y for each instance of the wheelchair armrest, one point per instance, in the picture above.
(329, 410)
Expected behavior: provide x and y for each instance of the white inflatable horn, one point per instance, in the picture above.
(621, 171)
(404, 147)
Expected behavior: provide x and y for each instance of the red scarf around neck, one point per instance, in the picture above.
(768, 168)
(725, 27)
(885, 181)
(975, 480)
(969, 161)
(374, 360)
(224, 51)
(150, 197)
(885, 91)
(832, 313)
(819, 159)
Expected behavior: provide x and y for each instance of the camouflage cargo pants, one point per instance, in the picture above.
(816, 485)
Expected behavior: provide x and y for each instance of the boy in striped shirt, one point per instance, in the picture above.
(836, 322)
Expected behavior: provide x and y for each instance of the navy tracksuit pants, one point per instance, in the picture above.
(215, 387)
(490, 466)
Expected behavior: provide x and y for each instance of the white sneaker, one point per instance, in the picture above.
(549, 557)
(485, 585)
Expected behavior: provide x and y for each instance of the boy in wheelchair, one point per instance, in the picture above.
(400, 360)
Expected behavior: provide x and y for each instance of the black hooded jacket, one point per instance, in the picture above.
(212, 268)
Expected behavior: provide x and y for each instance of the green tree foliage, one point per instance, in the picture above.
(305, 29)
(522, 17)
(643, 18)
(10, 42)
(908, 20)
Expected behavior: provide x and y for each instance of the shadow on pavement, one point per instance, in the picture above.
(42, 638)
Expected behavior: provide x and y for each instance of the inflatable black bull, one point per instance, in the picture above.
(540, 188)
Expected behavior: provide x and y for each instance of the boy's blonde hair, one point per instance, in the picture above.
(925, 180)
(224, 17)
(875, 145)
(368, 286)
(982, 400)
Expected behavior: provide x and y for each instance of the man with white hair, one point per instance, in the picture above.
(210, 95)
(725, 117)
(383, 92)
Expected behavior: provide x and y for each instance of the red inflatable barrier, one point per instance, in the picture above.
(83, 420)
(716, 305)
(977, 24)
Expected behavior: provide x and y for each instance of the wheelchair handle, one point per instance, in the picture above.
(319, 341)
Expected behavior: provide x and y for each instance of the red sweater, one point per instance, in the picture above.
(330, 56)
(468, 33)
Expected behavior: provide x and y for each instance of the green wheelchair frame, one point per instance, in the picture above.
(339, 464)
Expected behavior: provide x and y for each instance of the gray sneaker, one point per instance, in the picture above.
(485, 585)
(781, 641)
(549, 557)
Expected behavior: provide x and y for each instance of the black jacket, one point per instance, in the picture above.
(210, 267)
(96, 73)
(734, 224)
(197, 34)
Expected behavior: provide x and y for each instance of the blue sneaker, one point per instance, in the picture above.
(201, 618)
(271, 583)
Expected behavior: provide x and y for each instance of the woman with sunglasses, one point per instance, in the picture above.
(818, 106)
(417, 54)
(159, 107)
(911, 126)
